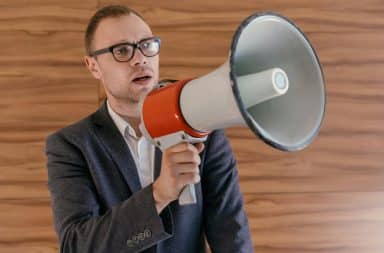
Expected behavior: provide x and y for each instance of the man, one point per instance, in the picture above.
(111, 190)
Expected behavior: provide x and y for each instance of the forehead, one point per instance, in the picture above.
(113, 30)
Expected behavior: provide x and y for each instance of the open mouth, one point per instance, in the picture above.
(141, 78)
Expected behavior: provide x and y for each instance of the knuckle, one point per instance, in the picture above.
(189, 156)
(195, 159)
(196, 178)
(184, 145)
(174, 172)
(190, 147)
(171, 159)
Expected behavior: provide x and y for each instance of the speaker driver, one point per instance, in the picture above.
(265, 41)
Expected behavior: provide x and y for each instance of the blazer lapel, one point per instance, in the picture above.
(115, 144)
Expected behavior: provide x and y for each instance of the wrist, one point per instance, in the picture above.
(160, 201)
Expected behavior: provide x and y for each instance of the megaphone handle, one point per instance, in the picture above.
(188, 195)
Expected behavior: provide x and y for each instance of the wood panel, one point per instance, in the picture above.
(26, 225)
(317, 222)
(45, 16)
(44, 87)
(326, 198)
(323, 167)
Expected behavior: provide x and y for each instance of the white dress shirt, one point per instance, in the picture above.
(142, 150)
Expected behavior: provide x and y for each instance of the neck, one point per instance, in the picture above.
(129, 111)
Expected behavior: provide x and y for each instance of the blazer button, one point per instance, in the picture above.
(140, 236)
(131, 243)
(147, 233)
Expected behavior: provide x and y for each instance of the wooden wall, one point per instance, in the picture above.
(328, 198)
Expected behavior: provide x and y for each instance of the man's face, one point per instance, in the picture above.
(122, 80)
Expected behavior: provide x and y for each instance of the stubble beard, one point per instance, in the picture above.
(133, 96)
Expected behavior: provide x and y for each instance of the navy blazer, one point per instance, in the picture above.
(99, 205)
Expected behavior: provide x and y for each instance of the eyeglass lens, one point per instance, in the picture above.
(148, 48)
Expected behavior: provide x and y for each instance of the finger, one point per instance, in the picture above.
(190, 178)
(180, 147)
(184, 169)
(200, 147)
(184, 157)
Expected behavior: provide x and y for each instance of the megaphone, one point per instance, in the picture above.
(272, 82)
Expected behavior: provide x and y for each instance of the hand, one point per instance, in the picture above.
(179, 167)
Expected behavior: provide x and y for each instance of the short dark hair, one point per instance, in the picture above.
(108, 11)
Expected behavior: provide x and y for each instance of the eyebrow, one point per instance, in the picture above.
(126, 41)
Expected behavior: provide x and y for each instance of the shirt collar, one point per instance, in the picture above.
(123, 125)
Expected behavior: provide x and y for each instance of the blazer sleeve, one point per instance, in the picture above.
(225, 221)
(131, 226)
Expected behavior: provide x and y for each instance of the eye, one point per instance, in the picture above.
(146, 44)
(122, 51)
(149, 47)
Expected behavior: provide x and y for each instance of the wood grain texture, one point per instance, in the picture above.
(317, 222)
(44, 87)
(326, 198)
(45, 16)
(26, 226)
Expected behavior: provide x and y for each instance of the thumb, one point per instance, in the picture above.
(199, 146)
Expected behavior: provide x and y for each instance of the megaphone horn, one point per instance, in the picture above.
(272, 82)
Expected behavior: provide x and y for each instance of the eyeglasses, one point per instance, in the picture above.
(123, 52)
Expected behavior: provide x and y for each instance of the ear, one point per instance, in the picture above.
(93, 67)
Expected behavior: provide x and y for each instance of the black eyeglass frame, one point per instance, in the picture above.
(134, 45)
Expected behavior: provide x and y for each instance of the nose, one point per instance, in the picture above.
(138, 58)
